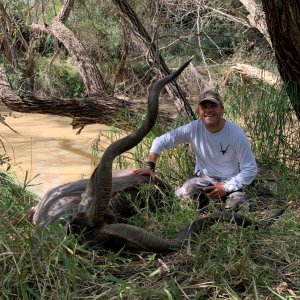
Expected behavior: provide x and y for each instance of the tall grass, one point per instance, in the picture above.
(269, 120)
(224, 262)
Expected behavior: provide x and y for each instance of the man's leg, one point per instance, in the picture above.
(193, 189)
(235, 199)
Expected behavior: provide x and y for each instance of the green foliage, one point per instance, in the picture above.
(268, 118)
(139, 67)
(62, 79)
(13, 198)
(225, 261)
(99, 19)
(50, 11)
(16, 79)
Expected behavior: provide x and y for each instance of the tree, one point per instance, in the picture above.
(175, 29)
(283, 20)
(256, 18)
(97, 107)
(154, 57)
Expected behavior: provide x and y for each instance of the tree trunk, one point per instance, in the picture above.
(283, 20)
(257, 18)
(102, 109)
(97, 107)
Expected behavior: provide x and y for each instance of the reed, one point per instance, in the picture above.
(269, 120)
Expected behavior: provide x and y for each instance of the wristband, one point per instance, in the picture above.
(150, 165)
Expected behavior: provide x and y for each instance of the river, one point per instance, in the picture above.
(48, 149)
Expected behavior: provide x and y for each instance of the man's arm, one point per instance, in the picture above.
(247, 164)
(153, 157)
(149, 168)
(161, 143)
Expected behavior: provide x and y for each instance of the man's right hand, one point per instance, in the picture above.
(145, 171)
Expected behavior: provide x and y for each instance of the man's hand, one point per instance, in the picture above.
(216, 191)
(145, 171)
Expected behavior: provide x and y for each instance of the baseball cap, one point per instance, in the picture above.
(210, 95)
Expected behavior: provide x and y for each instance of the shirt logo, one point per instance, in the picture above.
(222, 150)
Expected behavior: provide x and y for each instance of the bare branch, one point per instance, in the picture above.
(257, 18)
(199, 29)
(227, 16)
(154, 57)
(255, 73)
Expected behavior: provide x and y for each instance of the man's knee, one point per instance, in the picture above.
(192, 187)
(235, 199)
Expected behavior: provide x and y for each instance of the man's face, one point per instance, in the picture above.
(211, 113)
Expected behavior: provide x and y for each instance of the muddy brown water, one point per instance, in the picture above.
(48, 149)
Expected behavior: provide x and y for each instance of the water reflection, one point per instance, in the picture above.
(48, 147)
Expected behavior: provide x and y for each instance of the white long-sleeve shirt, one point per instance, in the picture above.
(225, 154)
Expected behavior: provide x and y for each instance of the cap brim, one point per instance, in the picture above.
(214, 100)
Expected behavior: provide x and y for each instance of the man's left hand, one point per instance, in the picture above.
(216, 191)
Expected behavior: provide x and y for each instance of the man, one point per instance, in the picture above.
(224, 161)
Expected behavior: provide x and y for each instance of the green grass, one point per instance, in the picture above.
(224, 262)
